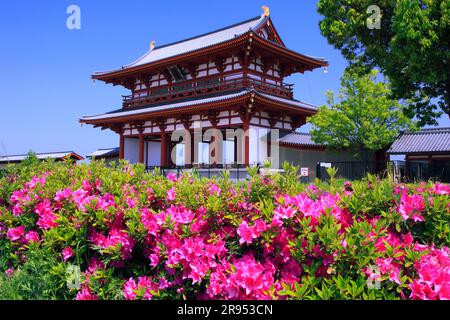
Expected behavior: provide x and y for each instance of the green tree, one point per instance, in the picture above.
(31, 159)
(411, 47)
(365, 118)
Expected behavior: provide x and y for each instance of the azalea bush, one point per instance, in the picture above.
(94, 232)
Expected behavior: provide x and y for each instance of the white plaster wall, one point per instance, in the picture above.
(153, 153)
(258, 145)
(131, 152)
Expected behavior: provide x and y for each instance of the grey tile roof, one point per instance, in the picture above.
(104, 153)
(165, 106)
(198, 42)
(293, 102)
(298, 139)
(41, 156)
(423, 141)
(196, 101)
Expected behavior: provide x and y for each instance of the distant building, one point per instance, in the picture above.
(109, 155)
(299, 149)
(427, 153)
(228, 80)
(427, 145)
(58, 156)
(217, 100)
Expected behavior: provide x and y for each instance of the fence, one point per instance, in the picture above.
(411, 171)
(237, 171)
(351, 170)
(403, 171)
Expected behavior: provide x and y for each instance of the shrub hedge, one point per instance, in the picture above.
(94, 232)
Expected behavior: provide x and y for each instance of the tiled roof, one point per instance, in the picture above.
(293, 102)
(298, 139)
(41, 156)
(198, 42)
(164, 106)
(104, 153)
(193, 102)
(423, 141)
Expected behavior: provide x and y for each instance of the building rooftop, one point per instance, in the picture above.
(206, 40)
(158, 107)
(104, 153)
(42, 156)
(299, 139)
(424, 141)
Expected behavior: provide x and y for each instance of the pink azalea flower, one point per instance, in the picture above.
(433, 280)
(17, 210)
(67, 253)
(411, 206)
(172, 177)
(246, 233)
(131, 202)
(129, 289)
(171, 196)
(86, 294)
(9, 272)
(214, 190)
(114, 238)
(62, 195)
(15, 234)
(260, 226)
(282, 212)
(47, 219)
(31, 236)
(440, 188)
(180, 214)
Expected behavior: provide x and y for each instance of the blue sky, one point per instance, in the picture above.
(46, 67)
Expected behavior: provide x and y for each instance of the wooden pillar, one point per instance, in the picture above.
(214, 147)
(235, 150)
(141, 145)
(121, 146)
(187, 147)
(247, 142)
(193, 155)
(163, 148)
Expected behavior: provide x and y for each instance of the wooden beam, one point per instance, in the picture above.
(121, 146)
(141, 144)
(247, 142)
(163, 148)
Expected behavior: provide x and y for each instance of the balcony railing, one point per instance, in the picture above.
(236, 171)
(200, 87)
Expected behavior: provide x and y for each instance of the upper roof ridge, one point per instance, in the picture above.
(429, 130)
(207, 33)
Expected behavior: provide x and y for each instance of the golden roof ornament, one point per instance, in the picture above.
(266, 11)
(152, 45)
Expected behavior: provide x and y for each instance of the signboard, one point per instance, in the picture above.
(304, 172)
(325, 164)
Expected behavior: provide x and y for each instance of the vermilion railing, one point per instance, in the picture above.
(200, 86)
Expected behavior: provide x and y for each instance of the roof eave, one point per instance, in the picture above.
(182, 109)
(314, 62)
(108, 75)
(194, 107)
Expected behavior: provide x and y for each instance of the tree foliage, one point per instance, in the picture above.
(364, 118)
(411, 47)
